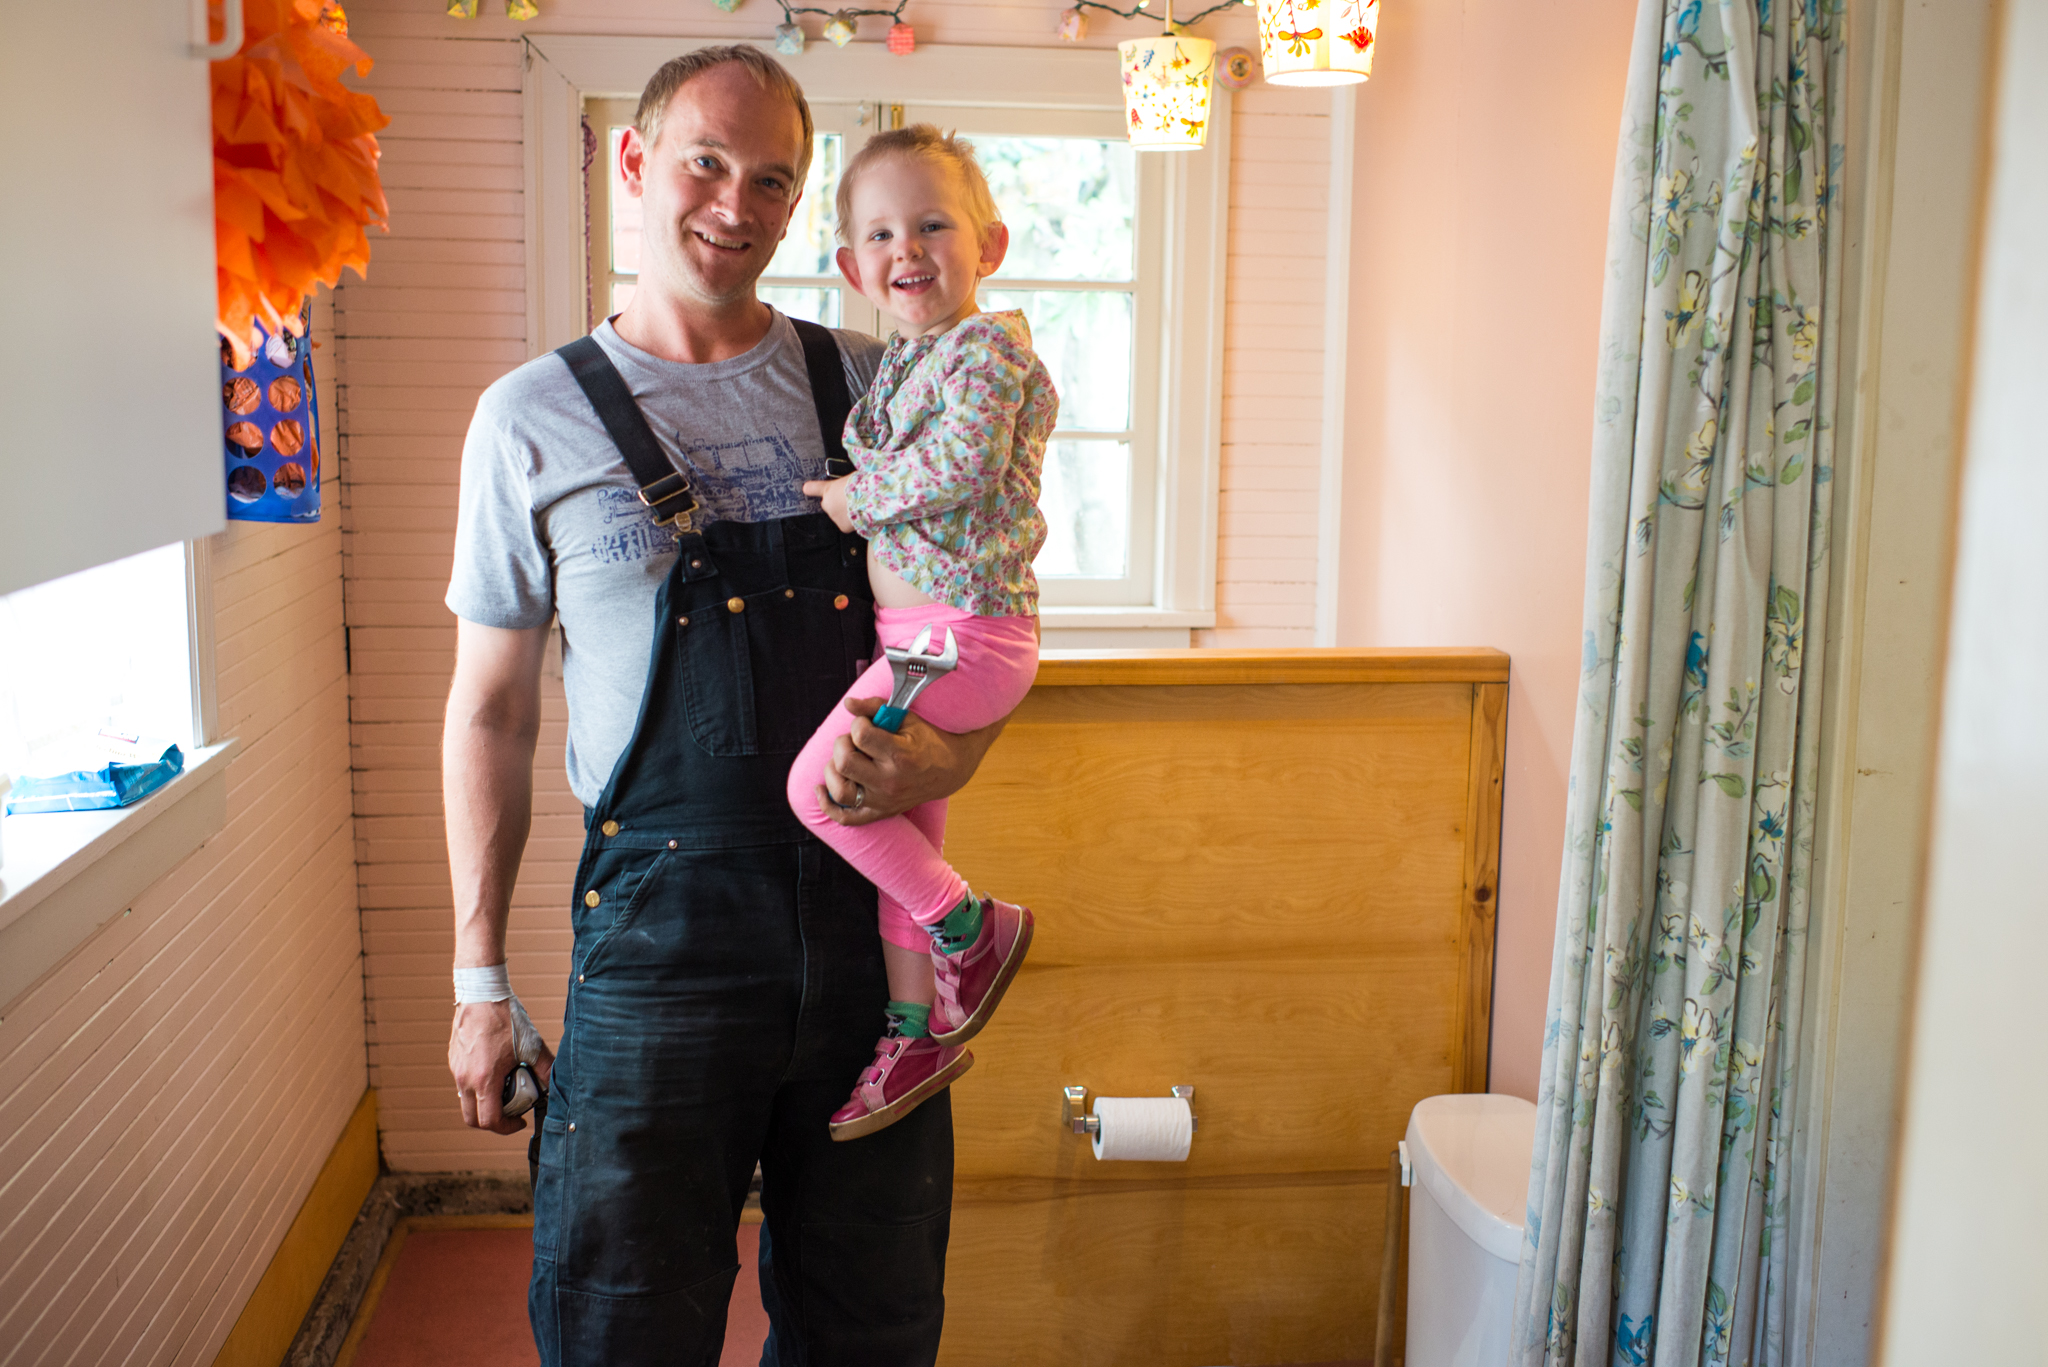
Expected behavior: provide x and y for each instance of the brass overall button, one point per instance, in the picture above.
(735, 605)
(591, 899)
(696, 564)
(610, 828)
(840, 602)
(671, 844)
(789, 593)
(682, 621)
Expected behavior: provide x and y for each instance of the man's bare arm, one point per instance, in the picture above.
(487, 745)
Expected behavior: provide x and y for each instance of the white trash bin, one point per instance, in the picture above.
(1470, 1157)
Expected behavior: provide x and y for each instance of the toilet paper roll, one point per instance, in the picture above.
(1157, 1129)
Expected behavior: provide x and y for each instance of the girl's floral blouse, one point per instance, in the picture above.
(948, 443)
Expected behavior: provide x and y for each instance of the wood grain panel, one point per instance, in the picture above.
(1228, 821)
(1093, 668)
(1299, 1065)
(1173, 1276)
(1487, 775)
(1278, 891)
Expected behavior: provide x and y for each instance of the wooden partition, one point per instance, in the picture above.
(1268, 874)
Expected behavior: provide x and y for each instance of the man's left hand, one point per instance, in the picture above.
(876, 773)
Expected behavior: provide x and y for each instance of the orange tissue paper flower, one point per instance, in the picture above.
(295, 181)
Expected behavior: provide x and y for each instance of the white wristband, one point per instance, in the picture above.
(491, 984)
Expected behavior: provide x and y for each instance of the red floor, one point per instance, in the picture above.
(459, 1296)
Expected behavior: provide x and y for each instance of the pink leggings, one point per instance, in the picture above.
(900, 855)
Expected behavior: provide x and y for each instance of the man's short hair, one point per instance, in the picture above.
(926, 142)
(768, 73)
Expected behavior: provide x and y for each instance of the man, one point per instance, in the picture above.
(726, 978)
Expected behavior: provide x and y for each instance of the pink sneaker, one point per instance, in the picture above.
(904, 1074)
(973, 978)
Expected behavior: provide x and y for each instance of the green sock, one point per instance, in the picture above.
(909, 1020)
(962, 926)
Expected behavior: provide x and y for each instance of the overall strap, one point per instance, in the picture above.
(663, 488)
(828, 393)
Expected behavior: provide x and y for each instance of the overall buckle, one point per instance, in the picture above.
(667, 490)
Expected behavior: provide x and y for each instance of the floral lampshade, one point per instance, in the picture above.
(1166, 91)
(1317, 42)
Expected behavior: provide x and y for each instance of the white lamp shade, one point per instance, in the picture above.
(1317, 42)
(1166, 91)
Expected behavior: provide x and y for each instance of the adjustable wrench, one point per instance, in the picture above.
(914, 668)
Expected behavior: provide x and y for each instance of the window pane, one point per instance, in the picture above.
(1068, 203)
(106, 647)
(625, 224)
(622, 295)
(1084, 338)
(817, 306)
(1086, 500)
(809, 246)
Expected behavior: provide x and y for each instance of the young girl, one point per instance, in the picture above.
(947, 445)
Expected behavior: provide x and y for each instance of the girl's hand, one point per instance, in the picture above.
(832, 493)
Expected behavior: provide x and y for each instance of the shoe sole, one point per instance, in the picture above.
(903, 1105)
(972, 1026)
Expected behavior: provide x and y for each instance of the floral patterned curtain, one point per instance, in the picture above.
(1658, 1197)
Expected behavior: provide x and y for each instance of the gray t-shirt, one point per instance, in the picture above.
(551, 522)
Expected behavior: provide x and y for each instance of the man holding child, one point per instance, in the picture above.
(726, 979)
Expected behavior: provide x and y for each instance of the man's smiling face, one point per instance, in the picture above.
(717, 188)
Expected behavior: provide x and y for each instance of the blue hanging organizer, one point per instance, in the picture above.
(270, 427)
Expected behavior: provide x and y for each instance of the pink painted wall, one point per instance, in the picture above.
(1485, 155)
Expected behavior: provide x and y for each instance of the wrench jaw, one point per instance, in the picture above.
(914, 668)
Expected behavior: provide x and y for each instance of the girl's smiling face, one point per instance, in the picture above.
(917, 252)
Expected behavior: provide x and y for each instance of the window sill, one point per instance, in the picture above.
(69, 873)
(1109, 628)
(1125, 619)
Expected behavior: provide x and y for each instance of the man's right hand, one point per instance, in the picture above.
(480, 1053)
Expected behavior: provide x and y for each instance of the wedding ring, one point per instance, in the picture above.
(860, 796)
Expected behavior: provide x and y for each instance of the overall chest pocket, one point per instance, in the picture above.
(761, 671)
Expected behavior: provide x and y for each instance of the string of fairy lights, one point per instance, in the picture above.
(1167, 79)
(840, 24)
(1144, 7)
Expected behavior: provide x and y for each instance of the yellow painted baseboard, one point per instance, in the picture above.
(278, 1305)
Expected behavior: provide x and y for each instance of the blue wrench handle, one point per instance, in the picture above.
(890, 718)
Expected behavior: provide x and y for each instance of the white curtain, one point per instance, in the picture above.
(1657, 1197)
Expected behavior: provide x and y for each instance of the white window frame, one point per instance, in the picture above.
(565, 69)
(66, 875)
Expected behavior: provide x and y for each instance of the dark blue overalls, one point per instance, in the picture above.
(726, 988)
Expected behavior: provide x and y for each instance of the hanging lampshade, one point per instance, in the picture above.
(1317, 42)
(1166, 91)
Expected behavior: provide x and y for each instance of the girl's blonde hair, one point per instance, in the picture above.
(925, 141)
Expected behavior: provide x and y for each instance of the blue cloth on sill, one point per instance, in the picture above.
(93, 790)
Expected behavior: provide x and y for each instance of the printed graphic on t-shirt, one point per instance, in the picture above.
(629, 531)
(755, 480)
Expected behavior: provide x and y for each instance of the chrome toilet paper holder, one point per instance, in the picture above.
(1074, 1110)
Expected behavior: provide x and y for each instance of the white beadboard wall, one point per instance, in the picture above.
(444, 313)
(169, 1092)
